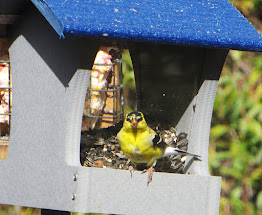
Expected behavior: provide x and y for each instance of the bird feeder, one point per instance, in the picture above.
(177, 48)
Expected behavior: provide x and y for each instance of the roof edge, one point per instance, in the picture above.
(50, 17)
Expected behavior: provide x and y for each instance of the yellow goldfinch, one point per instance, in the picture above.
(142, 144)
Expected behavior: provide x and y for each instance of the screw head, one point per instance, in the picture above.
(74, 197)
(75, 177)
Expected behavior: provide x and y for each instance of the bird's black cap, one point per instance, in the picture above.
(134, 115)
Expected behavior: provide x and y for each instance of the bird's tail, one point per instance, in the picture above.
(173, 151)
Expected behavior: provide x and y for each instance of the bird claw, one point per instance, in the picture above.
(150, 171)
(131, 169)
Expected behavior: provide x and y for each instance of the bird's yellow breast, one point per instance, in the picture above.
(137, 145)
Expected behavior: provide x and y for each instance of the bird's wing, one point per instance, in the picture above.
(174, 151)
(186, 153)
(157, 139)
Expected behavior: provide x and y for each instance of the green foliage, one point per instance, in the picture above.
(18, 210)
(128, 83)
(247, 7)
(236, 135)
(129, 79)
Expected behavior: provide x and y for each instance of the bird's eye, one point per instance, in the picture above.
(138, 119)
(130, 118)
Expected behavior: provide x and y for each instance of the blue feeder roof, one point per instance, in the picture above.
(202, 23)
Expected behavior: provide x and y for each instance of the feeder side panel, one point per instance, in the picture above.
(35, 172)
(203, 102)
(116, 192)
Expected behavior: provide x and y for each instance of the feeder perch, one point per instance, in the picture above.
(178, 50)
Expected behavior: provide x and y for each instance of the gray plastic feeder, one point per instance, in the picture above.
(178, 51)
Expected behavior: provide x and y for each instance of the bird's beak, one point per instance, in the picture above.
(134, 123)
